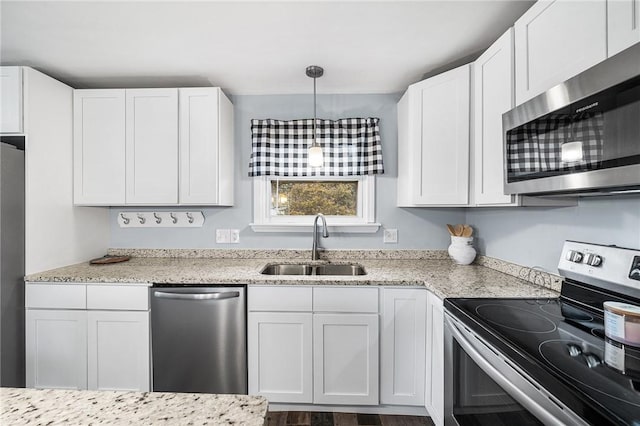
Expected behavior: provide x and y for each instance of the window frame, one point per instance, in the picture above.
(364, 222)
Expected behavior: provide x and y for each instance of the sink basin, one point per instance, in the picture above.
(305, 269)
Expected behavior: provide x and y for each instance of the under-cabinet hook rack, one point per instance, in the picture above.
(130, 219)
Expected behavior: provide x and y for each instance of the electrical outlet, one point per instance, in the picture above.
(390, 236)
(234, 236)
(223, 236)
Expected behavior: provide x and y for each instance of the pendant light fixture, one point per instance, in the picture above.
(315, 156)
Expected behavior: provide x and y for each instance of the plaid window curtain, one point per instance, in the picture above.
(350, 146)
(536, 147)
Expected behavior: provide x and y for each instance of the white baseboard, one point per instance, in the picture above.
(404, 410)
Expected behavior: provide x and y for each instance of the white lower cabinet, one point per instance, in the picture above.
(434, 395)
(280, 356)
(345, 359)
(56, 349)
(402, 346)
(118, 350)
(72, 345)
(337, 345)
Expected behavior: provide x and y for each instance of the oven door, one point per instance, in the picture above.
(484, 388)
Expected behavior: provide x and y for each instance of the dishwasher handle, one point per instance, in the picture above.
(197, 296)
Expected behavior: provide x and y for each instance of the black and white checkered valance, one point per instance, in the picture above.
(536, 147)
(351, 147)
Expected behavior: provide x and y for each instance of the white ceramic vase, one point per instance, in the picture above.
(461, 250)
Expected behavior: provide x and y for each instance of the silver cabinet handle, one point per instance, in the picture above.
(198, 296)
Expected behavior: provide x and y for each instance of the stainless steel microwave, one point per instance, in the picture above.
(580, 137)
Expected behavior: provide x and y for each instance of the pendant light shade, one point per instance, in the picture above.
(315, 157)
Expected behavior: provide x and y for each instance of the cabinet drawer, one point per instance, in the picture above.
(120, 297)
(280, 298)
(348, 299)
(54, 296)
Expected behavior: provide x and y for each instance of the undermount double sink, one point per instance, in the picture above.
(309, 269)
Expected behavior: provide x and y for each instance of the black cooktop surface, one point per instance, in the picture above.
(562, 346)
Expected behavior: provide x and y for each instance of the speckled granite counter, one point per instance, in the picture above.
(54, 407)
(437, 273)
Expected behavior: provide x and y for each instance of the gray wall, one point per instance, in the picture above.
(528, 236)
(534, 236)
(417, 228)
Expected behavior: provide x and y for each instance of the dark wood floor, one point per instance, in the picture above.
(304, 418)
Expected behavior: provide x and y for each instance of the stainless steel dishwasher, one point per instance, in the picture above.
(199, 339)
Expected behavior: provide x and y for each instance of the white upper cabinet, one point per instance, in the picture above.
(206, 147)
(99, 147)
(433, 141)
(11, 100)
(130, 144)
(493, 96)
(555, 40)
(152, 146)
(623, 24)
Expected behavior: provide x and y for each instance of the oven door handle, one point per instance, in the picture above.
(518, 394)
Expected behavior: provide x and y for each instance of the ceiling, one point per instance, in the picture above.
(259, 47)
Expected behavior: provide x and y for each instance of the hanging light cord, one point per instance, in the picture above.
(314, 143)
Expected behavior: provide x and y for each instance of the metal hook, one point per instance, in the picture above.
(174, 219)
(125, 219)
(190, 217)
(158, 218)
(141, 218)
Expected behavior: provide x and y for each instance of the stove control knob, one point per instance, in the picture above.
(593, 260)
(574, 256)
(592, 360)
(574, 350)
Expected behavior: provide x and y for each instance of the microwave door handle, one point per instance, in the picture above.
(525, 400)
(197, 296)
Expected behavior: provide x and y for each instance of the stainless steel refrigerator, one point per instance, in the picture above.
(12, 358)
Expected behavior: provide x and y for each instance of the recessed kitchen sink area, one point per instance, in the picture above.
(307, 269)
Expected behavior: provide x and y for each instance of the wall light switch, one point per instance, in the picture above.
(390, 236)
(234, 236)
(223, 236)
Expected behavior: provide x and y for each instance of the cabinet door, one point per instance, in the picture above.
(99, 147)
(434, 398)
(345, 359)
(493, 96)
(402, 346)
(199, 136)
(11, 100)
(56, 349)
(152, 146)
(555, 40)
(279, 354)
(623, 25)
(118, 350)
(441, 134)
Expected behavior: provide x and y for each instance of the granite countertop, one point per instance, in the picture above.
(54, 407)
(437, 273)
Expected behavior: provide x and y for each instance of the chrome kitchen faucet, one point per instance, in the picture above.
(325, 234)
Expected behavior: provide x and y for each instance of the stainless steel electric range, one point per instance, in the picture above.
(546, 361)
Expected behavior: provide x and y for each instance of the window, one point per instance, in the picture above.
(288, 193)
(309, 197)
(290, 204)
